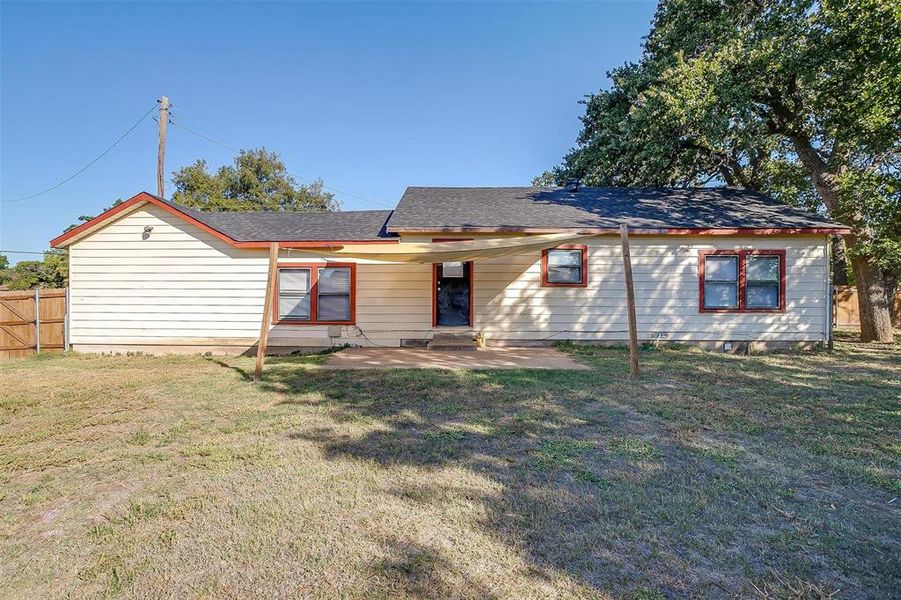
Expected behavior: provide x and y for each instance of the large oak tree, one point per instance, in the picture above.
(800, 99)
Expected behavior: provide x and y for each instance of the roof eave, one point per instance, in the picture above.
(73, 235)
(838, 230)
(84, 229)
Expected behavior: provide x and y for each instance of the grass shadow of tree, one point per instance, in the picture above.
(621, 487)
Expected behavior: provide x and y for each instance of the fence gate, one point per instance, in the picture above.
(32, 321)
(844, 307)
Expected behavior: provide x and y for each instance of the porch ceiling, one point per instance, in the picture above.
(437, 252)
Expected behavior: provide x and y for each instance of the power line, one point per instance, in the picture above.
(306, 179)
(179, 114)
(207, 138)
(21, 252)
(85, 168)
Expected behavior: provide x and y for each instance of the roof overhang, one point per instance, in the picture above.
(632, 230)
(135, 202)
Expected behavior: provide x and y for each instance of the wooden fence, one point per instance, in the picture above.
(32, 321)
(844, 307)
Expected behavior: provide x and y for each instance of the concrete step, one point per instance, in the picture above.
(464, 341)
(456, 337)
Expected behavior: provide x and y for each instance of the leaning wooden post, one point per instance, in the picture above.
(267, 311)
(630, 300)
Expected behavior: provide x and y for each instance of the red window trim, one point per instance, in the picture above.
(314, 293)
(581, 247)
(742, 257)
(472, 265)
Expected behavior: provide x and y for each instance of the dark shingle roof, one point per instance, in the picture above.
(516, 208)
(272, 226)
(607, 207)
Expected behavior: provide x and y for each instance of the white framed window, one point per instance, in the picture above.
(294, 302)
(333, 294)
(721, 281)
(565, 266)
(762, 281)
(742, 280)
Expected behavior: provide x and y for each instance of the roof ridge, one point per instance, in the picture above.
(668, 188)
(286, 212)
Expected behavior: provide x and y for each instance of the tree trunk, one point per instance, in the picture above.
(841, 265)
(873, 302)
(872, 291)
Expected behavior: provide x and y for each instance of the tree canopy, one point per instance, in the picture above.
(799, 99)
(258, 180)
(50, 272)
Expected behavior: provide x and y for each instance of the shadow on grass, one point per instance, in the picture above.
(241, 372)
(702, 479)
(419, 570)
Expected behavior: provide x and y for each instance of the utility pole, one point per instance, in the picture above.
(161, 154)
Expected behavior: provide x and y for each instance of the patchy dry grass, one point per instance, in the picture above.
(716, 475)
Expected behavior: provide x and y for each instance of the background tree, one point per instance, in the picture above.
(51, 272)
(4, 269)
(799, 99)
(258, 180)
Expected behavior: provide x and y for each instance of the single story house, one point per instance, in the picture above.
(718, 267)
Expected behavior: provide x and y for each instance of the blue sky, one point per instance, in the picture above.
(372, 97)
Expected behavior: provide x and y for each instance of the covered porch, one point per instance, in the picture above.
(451, 263)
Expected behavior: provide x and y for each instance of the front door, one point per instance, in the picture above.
(453, 294)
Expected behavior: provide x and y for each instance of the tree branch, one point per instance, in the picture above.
(818, 169)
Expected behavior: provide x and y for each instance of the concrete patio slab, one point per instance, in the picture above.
(486, 358)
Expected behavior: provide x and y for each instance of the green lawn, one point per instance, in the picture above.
(716, 475)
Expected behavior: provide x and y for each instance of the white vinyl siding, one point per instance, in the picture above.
(184, 287)
(179, 283)
(511, 305)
